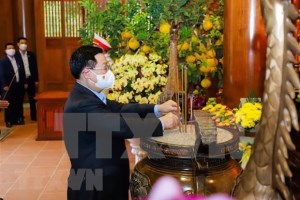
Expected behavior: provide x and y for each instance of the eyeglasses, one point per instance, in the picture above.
(104, 67)
(101, 69)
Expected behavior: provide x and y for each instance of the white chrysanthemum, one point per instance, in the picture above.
(143, 100)
(138, 98)
(113, 96)
(138, 77)
(152, 98)
(163, 80)
(123, 99)
(154, 57)
(118, 85)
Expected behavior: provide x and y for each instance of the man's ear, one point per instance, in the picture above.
(86, 73)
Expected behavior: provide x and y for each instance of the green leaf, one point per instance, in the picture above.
(181, 3)
(185, 32)
(142, 35)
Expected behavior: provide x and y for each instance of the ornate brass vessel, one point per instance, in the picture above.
(210, 170)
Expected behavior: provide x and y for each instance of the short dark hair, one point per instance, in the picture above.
(82, 57)
(7, 44)
(21, 38)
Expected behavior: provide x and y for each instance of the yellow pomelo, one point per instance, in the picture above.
(204, 69)
(142, 53)
(133, 44)
(185, 46)
(211, 62)
(190, 59)
(164, 28)
(146, 49)
(205, 83)
(207, 25)
(126, 35)
(211, 53)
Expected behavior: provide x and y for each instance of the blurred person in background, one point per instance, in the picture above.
(31, 73)
(12, 85)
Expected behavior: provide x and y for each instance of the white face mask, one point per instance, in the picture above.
(10, 52)
(106, 80)
(23, 47)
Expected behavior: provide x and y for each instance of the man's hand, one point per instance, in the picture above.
(4, 104)
(169, 106)
(169, 120)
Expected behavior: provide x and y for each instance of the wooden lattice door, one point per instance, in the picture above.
(57, 24)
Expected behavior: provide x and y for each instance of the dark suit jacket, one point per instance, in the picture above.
(7, 72)
(32, 65)
(82, 100)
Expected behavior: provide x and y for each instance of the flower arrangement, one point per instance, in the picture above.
(139, 78)
(248, 115)
(222, 115)
(143, 27)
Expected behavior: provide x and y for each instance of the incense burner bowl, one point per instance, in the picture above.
(205, 170)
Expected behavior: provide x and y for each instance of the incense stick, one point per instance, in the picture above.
(11, 81)
(185, 98)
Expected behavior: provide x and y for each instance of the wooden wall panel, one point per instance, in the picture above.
(55, 69)
(30, 25)
(11, 25)
(6, 24)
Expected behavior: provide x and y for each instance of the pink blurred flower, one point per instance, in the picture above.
(168, 188)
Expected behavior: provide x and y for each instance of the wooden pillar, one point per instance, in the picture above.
(244, 50)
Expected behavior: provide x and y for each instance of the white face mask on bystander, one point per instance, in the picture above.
(10, 52)
(23, 47)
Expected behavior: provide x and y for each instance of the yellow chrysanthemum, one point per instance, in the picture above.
(249, 115)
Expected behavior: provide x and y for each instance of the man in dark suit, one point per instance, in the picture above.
(31, 72)
(12, 83)
(95, 129)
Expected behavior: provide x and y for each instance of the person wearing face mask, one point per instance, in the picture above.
(31, 72)
(12, 85)
(104, 45)
(95, 128)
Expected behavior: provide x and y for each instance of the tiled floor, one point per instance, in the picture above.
(30, 169)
